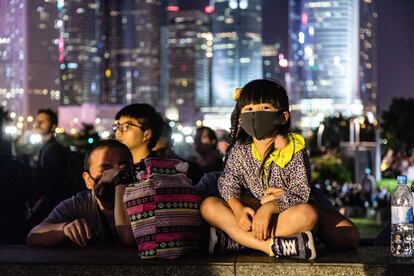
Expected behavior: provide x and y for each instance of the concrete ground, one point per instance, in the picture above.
(112, 260)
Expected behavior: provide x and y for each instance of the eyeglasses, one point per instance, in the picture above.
(123, 127)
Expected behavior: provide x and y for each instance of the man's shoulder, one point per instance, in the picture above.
(77, 206)
(81, 200)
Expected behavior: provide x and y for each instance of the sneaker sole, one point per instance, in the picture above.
(213, 240)
(311, 245)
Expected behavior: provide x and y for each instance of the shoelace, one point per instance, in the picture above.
(289, 247)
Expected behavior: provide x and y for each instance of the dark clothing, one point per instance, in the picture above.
(211, 161)
(51, 177)
(140, 166)
(13, 181)
(207, 186)
(84, 205)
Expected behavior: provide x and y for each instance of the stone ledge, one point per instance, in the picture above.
(112, 260)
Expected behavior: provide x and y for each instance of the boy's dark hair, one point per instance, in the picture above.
(147, 116)
(211, 135)
(167, 134)
(110, 143)
(52, 115)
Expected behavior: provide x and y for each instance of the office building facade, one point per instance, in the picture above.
(237, 45)
(324, 60)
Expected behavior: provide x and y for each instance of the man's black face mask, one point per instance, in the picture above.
(105, 193)
(261, 124)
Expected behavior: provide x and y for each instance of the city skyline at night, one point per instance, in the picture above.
(106, 53)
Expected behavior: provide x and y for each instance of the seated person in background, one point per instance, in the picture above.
(205, 143)
(96, 215)
(164, 149)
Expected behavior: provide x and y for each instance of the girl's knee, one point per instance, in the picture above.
(306, 214)
(209, 206)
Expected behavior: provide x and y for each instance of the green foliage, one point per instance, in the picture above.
(329, 167)
(398, 124)
(389, 184)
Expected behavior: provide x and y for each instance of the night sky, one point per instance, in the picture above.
(395, 41)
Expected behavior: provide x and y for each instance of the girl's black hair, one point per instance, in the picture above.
(256, 92)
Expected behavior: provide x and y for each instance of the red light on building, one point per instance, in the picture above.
(173, 8)
(208, 9)
(183, 67)
(304, 18)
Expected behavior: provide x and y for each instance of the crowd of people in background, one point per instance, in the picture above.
(397, 163)
(31, 188)
(49, 208)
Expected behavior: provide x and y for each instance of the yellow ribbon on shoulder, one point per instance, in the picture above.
(282, 157)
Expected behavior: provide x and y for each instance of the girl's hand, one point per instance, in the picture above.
(244, 218)
(261, 221)
(271, 194)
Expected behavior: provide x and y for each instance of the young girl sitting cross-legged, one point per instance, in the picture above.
(267, 202)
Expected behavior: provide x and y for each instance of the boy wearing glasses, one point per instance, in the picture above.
(139, 127)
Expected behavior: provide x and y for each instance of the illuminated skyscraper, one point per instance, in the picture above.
(189, 53)
(29, 74)
(131, 39)
(237, 45)
(274, 63)
(109, 51)
(79, 44)
(367, 52)
(324, 59)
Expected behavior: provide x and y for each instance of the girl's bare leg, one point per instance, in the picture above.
(295, 220)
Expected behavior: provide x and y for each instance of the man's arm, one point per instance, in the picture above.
(46, 234)
(49, 234)
(65, 222)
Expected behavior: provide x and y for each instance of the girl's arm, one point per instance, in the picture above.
(242, 214)
(230, 181)
(298, 186)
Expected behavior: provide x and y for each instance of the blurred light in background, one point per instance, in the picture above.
(35, 138)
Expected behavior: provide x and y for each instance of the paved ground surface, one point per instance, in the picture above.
(107, 260)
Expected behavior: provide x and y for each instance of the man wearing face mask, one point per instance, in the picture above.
(97, 215)
(209, 158)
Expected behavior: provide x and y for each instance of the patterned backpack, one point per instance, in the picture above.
(164, 210)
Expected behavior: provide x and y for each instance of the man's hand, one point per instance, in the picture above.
(78, 231)
(272, 194)
(261, 221)
(244, 218)
(106, 178)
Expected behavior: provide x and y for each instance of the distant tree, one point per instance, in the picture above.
(336, 130)
(398, 124)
